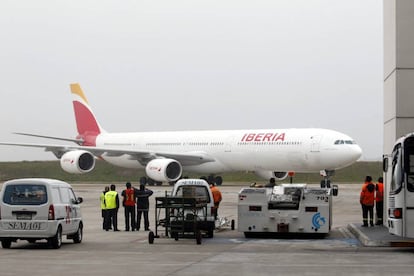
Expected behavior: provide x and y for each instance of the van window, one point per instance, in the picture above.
(67, 195)
(25, 194)
(194, 191)
(64, 195)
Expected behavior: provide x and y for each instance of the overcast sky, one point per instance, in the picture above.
(187, 64)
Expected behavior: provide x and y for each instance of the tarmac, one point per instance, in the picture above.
(378, 236)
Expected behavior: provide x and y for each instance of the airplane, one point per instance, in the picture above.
(269, 153)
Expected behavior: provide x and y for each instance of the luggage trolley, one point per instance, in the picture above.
(180, 217)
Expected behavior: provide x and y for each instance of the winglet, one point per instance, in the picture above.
(86, 122)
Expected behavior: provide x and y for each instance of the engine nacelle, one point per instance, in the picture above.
(77, 161)
(164, 170)
(269, 174)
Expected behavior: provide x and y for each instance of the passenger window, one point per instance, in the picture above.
(64, 195)
(56, 195)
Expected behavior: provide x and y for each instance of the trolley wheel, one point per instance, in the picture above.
(232, 224)
(151, 237)
(198, 237)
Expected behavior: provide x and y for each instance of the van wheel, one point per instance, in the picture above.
(6, 243)
(77, 238)
(56, 240)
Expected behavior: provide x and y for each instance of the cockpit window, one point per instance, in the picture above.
(341, 142)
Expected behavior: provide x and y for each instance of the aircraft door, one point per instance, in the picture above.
(315, 143)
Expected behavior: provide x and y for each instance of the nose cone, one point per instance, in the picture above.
(356, 152)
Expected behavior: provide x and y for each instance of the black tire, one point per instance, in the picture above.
(233, 224)
(219, 180)
(6, 243)
(151, 237)
(56, 240)
(143, 180)
(198, 237)
(210, 233)
(150, 182)
(77, 238)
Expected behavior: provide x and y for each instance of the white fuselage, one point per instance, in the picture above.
(299, 150)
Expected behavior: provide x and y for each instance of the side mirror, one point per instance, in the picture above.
(79, 200)
(384, 163)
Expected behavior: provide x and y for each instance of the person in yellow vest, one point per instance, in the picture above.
(129, 201)
(379, 200)
(103, 208)
(112, 206)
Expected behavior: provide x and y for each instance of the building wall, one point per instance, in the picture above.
(398, 73)
(398, 70)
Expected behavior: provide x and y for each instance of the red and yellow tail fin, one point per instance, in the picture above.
(86, 123)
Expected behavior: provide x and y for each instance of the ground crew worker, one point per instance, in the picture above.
(379, 201)
(366, 199)
(103, 208)
(129, 202)
(143, 195)
(112, 206)
(216, 198)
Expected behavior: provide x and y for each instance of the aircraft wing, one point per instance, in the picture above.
(142, 156)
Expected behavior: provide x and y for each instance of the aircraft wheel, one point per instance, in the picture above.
(219, 180)
(232, 224)
(143, 180)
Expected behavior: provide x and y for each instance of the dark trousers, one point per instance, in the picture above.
(112, 218)
(367, 210)
(129, 214)
(146, 220)
(105, 220)
(379, 207)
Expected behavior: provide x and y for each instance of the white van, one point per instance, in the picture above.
(37, 208)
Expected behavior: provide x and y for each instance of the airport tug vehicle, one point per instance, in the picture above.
(187, 212)
(284, 209)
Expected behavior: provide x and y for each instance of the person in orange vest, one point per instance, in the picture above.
(129, 202)
(367, 200)
(379, 201)
(216, 197)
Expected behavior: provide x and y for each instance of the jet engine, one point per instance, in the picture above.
(269, 174)
(77, 161)
(164, 170)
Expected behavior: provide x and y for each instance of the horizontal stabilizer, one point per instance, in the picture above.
(77, 141)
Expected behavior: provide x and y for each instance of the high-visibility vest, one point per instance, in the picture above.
(367, 197)
(102, 198)
(216, 194)
(110, 199)
(129, 199)
(379, 193)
